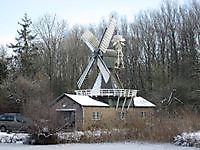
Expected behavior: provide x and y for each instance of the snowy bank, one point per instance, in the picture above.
(188, 139)
(62, 137)
(93, 136)
(77, 136)
(12, 137)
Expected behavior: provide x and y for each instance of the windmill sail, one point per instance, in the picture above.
(107, 35)
(87, 69)
(103, 69)
(97, 48)
(97, 85)
(90, 40)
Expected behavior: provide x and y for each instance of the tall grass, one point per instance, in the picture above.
(161, 127)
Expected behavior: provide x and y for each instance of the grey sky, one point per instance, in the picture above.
(72, 11)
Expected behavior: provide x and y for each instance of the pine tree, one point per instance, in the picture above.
(25, 49)
(3, 65)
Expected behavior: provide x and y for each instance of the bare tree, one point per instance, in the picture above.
(51, 33)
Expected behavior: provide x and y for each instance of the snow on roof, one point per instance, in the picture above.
(141, 102)
(63, 109)
(86, 100)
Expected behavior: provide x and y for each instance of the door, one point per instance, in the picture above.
(66, 120)
(70, 119)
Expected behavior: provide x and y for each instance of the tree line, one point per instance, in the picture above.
(161, 53)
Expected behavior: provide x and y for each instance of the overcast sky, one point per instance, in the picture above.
(72, 11)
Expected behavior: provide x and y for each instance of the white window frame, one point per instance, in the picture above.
(96, 116)
(143, 114)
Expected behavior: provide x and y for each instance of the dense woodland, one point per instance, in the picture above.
(161, 54)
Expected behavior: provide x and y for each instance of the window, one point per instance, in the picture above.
(96, 116)
(2, 118)
(7, 118)
(19, 119)
(143, 114)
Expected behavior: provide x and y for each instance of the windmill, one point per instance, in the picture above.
(107, 87)
(98, 48)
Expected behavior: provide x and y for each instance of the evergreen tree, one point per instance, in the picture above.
(25, 49)
(3, 65)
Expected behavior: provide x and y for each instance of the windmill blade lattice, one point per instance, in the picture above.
(84, 74)
(107, 35)
(118, 42)
(90, 40)
(103, 69)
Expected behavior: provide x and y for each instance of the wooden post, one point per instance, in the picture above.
(130, 103)
(124, 103)
(117, 103)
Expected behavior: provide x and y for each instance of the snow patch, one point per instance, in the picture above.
(86, 100)
(12, 137)
(188, 139)
(141, 102)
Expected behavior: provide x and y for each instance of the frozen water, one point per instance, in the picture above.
(104, 146)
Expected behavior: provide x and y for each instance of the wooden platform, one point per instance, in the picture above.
(108, 92)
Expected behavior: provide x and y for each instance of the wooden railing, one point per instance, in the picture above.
(108, 92)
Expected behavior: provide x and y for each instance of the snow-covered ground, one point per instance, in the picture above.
(102, 146)
(188, 139)
(12, 137)
(15, 141)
